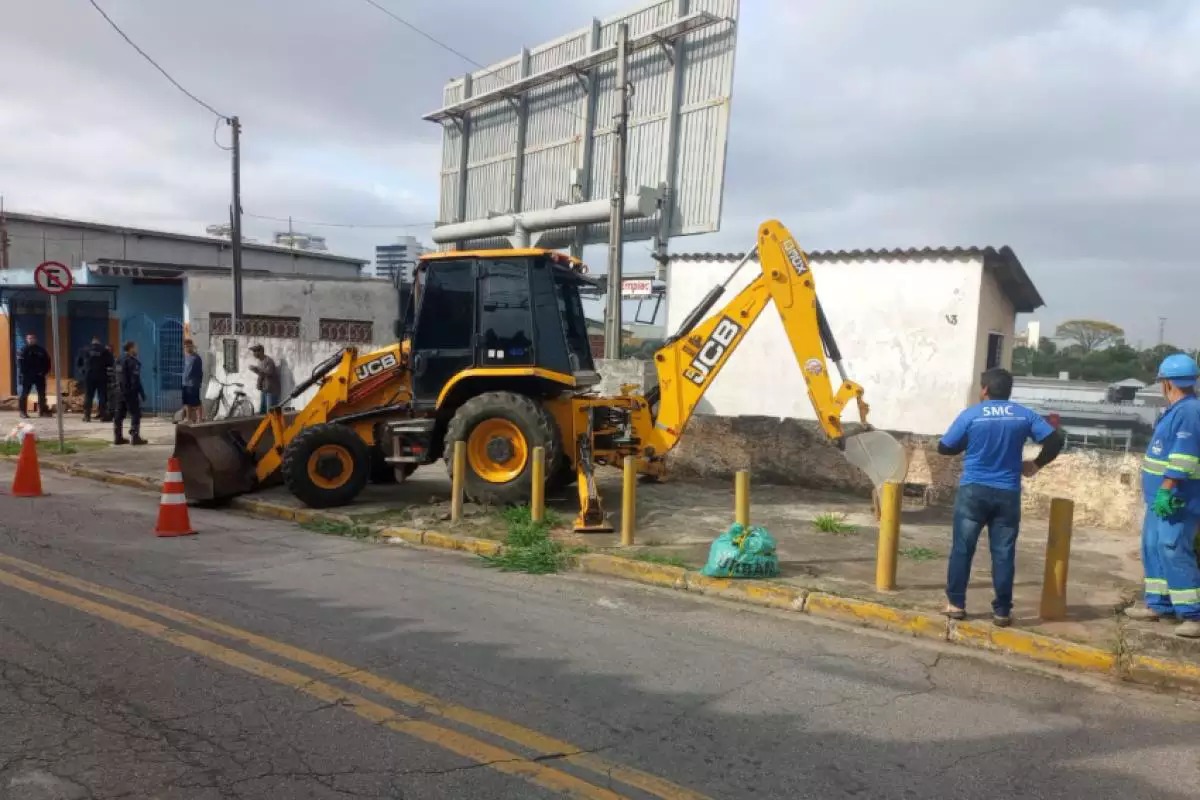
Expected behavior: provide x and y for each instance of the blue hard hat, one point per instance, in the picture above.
(1180, 369)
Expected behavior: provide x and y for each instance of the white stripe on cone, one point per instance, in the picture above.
(174, 477)
(174, 499)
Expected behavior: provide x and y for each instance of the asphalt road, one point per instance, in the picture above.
(258, 660)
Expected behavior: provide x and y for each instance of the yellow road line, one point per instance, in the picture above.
(518, 734)
(479, 751)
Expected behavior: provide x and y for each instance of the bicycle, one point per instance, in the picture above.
(240, 406)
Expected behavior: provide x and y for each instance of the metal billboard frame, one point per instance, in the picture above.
(532, 134)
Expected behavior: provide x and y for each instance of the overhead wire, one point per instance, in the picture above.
(460, 54)
(155, 64)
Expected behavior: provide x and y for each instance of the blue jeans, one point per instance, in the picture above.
(1000, 510)
(266, 402)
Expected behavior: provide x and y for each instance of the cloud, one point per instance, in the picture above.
(1064, 129)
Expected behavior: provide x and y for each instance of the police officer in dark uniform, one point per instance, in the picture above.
(132, 395)
(34, 365)
(95, 361)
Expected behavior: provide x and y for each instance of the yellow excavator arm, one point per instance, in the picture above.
(690, 361)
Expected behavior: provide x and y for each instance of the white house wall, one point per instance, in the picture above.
(996, 315)
(907, 331)
(373, 301)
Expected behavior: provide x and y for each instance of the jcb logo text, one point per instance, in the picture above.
(712, 350)
(375, 366)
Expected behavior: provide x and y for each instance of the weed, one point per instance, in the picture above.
(528, 546)
(833, 523)
(49, 446)
(659, 558)
(521, 515)
(335, 528)
(919, 553)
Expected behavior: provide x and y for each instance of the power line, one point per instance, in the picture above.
(155, 64)
(460, 54)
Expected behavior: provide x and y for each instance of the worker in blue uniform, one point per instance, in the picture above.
(1171, 487)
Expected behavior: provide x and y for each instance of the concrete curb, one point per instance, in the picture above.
(1135, 668)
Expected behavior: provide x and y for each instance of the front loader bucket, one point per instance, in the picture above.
(214, 460)
(879, 455)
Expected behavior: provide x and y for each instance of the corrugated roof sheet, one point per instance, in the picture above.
(1001, 262)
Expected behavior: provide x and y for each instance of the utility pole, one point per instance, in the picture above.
(616, 222)
(235, 224)
(3, 236)
(1162, 330)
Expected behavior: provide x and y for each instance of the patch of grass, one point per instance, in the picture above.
(659, 558)
(332, 528)
(523, 515)
(919, 553)
(833, 523)
(49, 446)
(528, 547)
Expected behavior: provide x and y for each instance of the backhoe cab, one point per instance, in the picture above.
(494, 352)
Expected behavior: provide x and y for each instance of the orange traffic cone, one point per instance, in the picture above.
(172, 509)
(28, 480)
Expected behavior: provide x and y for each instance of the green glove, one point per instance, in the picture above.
(1167, 503)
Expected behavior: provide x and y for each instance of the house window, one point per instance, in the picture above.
(255, 325)
(995, 350)
(350, 331)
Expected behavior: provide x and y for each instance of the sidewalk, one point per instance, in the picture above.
(677, 521)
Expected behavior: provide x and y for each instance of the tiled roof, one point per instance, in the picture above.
(1002, 262)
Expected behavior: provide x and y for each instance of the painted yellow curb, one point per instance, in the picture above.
(467, 544)
(1035, 646)
(1164, 672)
(409, 535)
(641, 571)
(876, 615)
(759, 593)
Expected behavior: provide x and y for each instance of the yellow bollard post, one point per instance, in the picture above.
(537, 500)
(741, 498)
(1058, 558)
(628, 501)
(889, 537)
(458, 474)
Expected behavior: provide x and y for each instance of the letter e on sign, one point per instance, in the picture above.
(52, 277)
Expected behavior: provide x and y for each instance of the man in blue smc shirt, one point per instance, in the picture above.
(992, 433)
(1171, 487)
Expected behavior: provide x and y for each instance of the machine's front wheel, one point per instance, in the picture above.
(326, 466)
(500, 430)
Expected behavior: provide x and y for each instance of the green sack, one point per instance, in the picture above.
(742, 553)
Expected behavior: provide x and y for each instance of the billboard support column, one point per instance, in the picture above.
(616, 225)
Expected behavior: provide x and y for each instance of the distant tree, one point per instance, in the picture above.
(1089, 334)
(1046, 346)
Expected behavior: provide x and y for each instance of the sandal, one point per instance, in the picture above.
(955, 613)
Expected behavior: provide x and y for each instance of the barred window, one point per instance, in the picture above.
(255, 325)
(350, 331)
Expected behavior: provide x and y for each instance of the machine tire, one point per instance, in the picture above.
(332, 447)
(384, 473)
(515, 419)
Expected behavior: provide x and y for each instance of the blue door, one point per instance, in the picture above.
(170, 363)
(87, 318)
(141, 329)
(28, 315)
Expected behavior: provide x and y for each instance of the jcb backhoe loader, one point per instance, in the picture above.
(494, 353)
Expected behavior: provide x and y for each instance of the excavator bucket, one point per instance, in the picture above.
(878, 454)
(216, 465)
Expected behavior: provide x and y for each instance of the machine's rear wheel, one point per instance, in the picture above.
(326, 466)
(500, 430)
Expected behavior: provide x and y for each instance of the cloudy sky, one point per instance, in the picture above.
(1067, 130)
